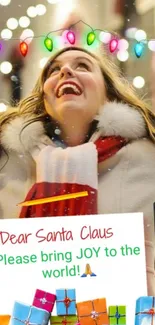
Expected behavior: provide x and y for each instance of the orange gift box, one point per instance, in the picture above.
(93, 312)
(4, 319)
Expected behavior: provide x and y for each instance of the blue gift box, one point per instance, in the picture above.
(145, 311)
(65, 302)
(28, 315)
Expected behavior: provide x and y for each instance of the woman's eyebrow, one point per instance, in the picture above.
(55, 61)
(78, 58)
(83, 58)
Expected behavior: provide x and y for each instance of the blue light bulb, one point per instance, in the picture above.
(139, 47)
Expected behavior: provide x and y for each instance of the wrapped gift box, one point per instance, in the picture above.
(66, 302)
(63, 320)
(93, 312)
(117, 315)
(44, 300)
(4, 319)
(145, 311)
(28, 315)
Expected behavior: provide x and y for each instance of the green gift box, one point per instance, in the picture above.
(117, 315)
(64, 320)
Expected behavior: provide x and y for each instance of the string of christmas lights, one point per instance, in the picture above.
(70, 37)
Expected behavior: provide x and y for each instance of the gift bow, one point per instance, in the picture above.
(150, 311)
(44, 300)
(66, 301)
(94, 315)
(26, 321)
(64, 322)
(117, 314)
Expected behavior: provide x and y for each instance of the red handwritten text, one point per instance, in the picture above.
(87, 232)
(13, 239)
(62, 235)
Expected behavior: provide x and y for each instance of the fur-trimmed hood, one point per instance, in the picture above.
(115, 119)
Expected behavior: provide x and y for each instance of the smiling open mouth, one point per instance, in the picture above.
(68, 89)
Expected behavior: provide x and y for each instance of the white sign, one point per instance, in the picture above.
(53, 253)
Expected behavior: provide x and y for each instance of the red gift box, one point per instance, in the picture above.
(44, 300)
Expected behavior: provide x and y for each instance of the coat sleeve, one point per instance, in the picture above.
(138, 195)
(127, 185)
(22, 136)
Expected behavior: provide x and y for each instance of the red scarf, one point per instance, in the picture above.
(71, 171)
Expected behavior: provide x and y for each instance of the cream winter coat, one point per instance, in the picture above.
(126, 180)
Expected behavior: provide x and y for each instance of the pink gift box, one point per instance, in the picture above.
(44, 300)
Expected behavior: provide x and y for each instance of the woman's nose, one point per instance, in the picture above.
(66, 71)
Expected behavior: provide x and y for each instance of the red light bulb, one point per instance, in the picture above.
(23, 48)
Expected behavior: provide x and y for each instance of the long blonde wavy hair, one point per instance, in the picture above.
(117, 88)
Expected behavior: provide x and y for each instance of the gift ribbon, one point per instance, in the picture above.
(117, 315)
(27, 321)
(94, 314)
(44, 300)
(66, 301)
(64, 322)
(150, 311)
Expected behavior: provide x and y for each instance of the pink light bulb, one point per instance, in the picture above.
(71, 37)
(113, 45)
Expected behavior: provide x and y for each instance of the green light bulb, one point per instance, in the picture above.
(48, 44)
(91, 38)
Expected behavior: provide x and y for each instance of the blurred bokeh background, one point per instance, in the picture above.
(132, 20)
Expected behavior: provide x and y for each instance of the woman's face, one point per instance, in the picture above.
(75, 87)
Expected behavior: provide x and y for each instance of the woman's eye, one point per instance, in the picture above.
(83, 65)
(54, 69)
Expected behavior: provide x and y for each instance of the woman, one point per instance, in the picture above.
(82, 128)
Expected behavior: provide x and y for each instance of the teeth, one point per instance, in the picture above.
(60, 92)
